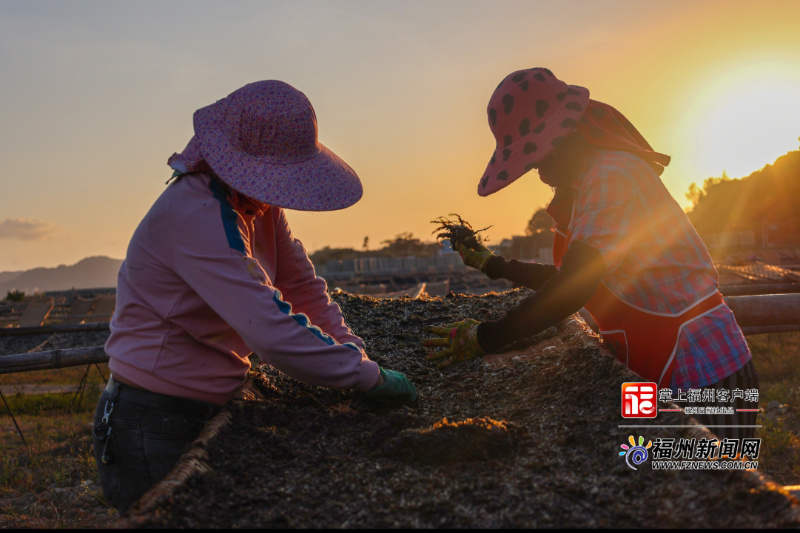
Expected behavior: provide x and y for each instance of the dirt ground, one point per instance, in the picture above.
(530, 438)
(78, 507)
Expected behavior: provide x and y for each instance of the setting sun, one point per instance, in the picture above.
(745, 119)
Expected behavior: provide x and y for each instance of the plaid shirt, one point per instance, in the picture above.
(656, 261)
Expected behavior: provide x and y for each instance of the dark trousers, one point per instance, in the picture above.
(743, 379)
(141, 439)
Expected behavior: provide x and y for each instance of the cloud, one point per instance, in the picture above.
(27, 229)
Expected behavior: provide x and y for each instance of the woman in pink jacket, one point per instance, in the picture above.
(213, 274)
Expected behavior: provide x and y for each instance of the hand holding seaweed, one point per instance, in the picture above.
(464, 240)
(459, 231)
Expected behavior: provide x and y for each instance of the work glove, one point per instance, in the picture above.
(460, 340)
(473, 254)
(395, 387)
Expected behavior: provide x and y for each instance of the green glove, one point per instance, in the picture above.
(460, 339)
(395, 387)
(473, 254)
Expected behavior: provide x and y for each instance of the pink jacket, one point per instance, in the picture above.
(203, 286)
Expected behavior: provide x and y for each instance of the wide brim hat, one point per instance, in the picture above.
(530, 113)
(262, 140)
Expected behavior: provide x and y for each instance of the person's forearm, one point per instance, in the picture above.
(547, 307)
(531, 275)
(560, 296)
(297, 281)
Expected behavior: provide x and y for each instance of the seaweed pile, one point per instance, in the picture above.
(527, 438)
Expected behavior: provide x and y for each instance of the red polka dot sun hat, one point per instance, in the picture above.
(530, 112)
(262, 140)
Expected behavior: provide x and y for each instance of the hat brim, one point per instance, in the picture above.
(323, 182)
(509, 163)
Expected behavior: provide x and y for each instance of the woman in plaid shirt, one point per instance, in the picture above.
(624, 249)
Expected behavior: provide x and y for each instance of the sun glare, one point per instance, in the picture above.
(746, 122)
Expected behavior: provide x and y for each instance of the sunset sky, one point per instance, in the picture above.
(96, 95)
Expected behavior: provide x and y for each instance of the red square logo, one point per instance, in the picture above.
(639, 400)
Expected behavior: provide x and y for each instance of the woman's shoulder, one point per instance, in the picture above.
(620, 158)
(188, 200)
(617, 165)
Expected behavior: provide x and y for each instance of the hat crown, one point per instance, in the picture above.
(529, 93)
(272, 120)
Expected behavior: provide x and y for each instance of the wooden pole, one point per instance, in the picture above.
(55, 328)
(742, 289)
(766, 310)
(26, 362)
(754, 314)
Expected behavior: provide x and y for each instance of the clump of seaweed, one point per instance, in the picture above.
(474, 439)
(458, 230)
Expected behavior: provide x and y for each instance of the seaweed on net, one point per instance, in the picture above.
(527, 438)
(458, 230)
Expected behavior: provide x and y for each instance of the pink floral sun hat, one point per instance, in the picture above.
(262, 141)
(530, 112)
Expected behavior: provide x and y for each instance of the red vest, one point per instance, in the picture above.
(645, 341)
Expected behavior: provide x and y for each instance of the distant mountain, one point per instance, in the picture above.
(89, 273)
(6, 276)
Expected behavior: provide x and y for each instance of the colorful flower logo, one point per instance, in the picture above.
(635, 455)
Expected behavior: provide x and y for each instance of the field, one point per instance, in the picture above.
(777, 359)
(52, 483)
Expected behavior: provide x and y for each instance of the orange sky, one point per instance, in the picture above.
(97, 95)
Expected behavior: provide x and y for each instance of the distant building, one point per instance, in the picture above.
(538, 247)
(71, 294)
